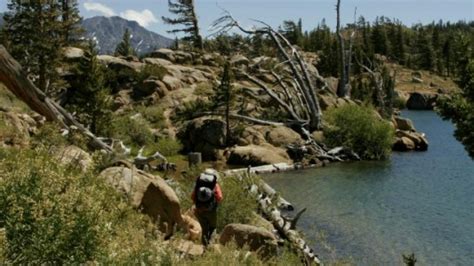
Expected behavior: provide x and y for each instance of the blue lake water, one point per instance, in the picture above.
(372, 212)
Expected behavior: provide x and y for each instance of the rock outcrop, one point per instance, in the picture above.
(204, 135)
(422, 101)
(256, 239)
(148, 193)
(410, 140)
(257, 155)
(403, 123)
(119, 64)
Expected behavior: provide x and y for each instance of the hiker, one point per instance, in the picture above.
(206, 196)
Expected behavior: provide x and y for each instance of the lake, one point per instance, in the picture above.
(373, 212)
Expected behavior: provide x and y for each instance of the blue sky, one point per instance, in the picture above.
(148, 12)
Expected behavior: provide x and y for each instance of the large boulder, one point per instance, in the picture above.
(182, 57)
(257, 155)
(419, 139)
(164, 53)
(119, 64)
(239, 60)
(255, 238)
(212, 59)
(73, 54)
(149, 193)
(252, 135)
(403, 144)
(421, 101)
(204, 135)
(151, 86)
(172, 83)
(75, 156)
(403, 123)
(157, 61)
(282, 136)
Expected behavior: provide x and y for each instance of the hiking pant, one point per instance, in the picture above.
(208, 221)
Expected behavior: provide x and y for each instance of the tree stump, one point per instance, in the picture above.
(194, 158)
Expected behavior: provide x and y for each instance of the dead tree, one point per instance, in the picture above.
(303, 87)
(379, 79)
(344, 57)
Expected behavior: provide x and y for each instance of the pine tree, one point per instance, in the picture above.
(379, 38)
(224, 98)
(33, 36)
(70, 18)
(399, 50)
(124, 48)
(424, 50)
(186, 16)
(90, 97)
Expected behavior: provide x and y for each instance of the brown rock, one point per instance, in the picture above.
(421, 101)
(282, 136)
(75, 156)
(148, 193)
(421, 143)
(256, 239)
(189, 248)
(117, 63)
(318, 136)
(252, 135)
(404, 123)
(157, 61)
(164, 53)
(239, 60)
(172, 83)
(257, 155)
(403, 144)
(204, 135)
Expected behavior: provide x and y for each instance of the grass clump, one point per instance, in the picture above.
(358, 128)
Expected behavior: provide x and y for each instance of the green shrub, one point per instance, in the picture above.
(358, 128)
(54, 215)
(149, 71)
(238, 205)
(188, 110)
(168, 146)
(154, 115)
(399, 103)
(204, 89)
(132, 131)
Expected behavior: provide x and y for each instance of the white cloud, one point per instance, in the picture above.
(144, 18)
(98, 7)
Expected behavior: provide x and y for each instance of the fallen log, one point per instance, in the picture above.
(284, 225)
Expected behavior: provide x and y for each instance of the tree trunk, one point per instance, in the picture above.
(341, 88)
(198, 37)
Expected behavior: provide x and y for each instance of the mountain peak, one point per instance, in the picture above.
(108, 31)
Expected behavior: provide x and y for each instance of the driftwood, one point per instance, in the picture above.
(285, 226)
(15, 79)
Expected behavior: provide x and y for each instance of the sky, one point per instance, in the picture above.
(148, 13)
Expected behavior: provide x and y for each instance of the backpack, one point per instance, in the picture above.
(204, 192)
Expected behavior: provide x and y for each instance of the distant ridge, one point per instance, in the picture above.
(108, 31)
